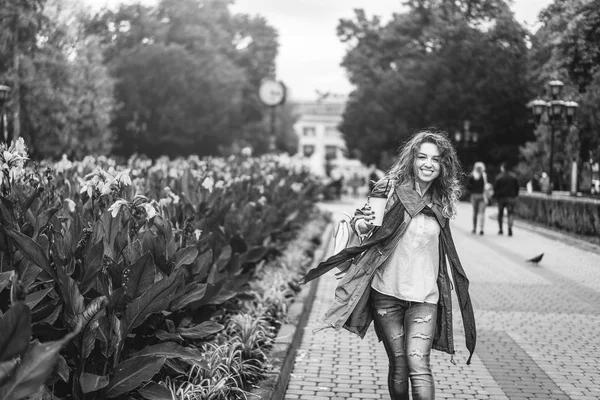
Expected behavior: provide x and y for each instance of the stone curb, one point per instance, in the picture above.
(289, 337)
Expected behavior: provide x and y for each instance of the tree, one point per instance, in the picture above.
(182, 105)
(20, 22)
(211, 87)
(438, 64)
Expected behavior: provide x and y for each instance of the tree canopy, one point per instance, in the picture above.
(440, 64)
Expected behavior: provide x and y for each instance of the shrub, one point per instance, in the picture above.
(581, 216)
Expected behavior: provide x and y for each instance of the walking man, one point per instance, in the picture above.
(506, 190)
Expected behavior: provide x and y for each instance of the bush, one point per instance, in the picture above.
(124, 273)
(577, 215)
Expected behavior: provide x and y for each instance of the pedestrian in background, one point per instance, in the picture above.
(506, 190)
(476, 185)
(398, 276)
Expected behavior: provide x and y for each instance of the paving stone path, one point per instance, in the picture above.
(538, 326)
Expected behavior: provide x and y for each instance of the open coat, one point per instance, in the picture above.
(351, 308)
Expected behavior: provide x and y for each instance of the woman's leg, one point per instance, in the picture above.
(481, 214)
(388, 314)
(475, 210)
(420, 319)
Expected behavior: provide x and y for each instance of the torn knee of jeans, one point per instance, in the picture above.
(398, 336)
(421, 336)
(422, 320)
(416, 353)
(399, 353)
(382, 312)
(399, 381)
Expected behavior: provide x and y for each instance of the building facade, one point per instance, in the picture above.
(321, 146)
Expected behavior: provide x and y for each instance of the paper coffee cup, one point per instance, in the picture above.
(377, 204)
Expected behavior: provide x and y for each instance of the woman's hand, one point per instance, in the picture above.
(364, 222)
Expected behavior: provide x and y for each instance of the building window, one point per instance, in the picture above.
(309, 131)
(308, 150)
(331, 131)
(330, 152)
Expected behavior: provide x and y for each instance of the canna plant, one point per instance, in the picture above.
(129, 278)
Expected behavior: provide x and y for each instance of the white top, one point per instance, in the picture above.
(410, 272)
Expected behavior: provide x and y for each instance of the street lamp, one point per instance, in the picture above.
(4, 90)
(556, 109)
(466, 141)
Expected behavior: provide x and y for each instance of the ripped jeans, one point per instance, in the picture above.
(407, 330)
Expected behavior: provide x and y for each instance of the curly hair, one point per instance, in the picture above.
(447, 185)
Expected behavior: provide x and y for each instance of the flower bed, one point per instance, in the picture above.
(122, 274)
(577, 215)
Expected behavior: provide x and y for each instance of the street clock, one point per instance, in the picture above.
(272, 92)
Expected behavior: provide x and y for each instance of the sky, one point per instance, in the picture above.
(310, 52)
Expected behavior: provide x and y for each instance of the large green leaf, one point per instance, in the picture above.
(7, 212)
(110, 227)
(5, 279)
(170, 350)
(89, 321)
(138, 277)
(37, 363)
(34, 298)
(132, 373)
(255, 254)
(15, 331)
(92, 263)
(155, 299)
(72, 298)
(201, 266)
(184, 257)
(201, 331)
(91, 382)
(6, 368)
(31, 250)
(154, 391)
(193, 292)
(42, 219)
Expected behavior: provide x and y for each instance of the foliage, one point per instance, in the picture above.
(145, 261)
(200, 97)
(438, 64)
(60, 85)
(579, 216)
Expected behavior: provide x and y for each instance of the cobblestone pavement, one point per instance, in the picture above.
(538, 326)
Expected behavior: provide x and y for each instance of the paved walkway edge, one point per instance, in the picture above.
(289, 338)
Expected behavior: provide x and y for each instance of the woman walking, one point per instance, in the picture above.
(476, 185)
(398, 276)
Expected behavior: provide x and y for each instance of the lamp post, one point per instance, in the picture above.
(466, 140)
(557, 111)
(4, 90)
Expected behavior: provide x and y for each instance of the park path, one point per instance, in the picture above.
(538, 326)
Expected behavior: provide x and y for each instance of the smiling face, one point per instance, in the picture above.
(427, 165)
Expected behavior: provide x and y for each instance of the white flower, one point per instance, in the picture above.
(246, 152)
(220, 184)
(116, 207)
(262, 201)
(150, 210)
(197, 234)
(208, 183)
(123, 178)
(63, 165)
(70, 205)
(296, 187)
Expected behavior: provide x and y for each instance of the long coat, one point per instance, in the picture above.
(351, 307)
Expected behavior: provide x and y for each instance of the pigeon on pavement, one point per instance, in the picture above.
(536, 259)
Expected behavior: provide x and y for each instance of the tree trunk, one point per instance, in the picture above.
(16, 89)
